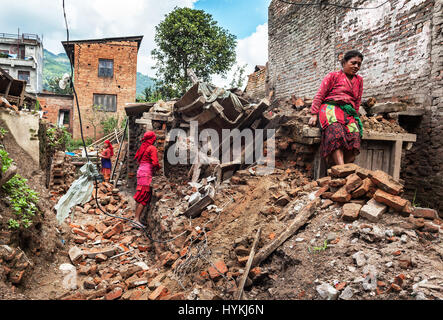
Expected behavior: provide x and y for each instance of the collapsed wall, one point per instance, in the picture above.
(400, 42)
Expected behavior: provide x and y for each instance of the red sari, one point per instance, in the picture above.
(147, 157)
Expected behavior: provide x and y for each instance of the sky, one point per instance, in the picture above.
(92, 19)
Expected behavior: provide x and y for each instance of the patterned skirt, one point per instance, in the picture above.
(335, 136)
(143, 195)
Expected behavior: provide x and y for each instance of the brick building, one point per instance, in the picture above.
(105, 73)
(401, 43)
(57, 109)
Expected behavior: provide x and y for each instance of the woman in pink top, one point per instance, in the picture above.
(147, 158)
(336, 106)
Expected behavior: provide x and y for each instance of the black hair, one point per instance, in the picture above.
(351, 54)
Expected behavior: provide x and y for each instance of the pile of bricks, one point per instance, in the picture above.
(370, 194)
(62, 174)
(14, 264)
(107, 253)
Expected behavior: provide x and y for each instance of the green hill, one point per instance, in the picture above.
(55, 65)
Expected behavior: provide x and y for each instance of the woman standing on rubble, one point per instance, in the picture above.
(336, 106)
(106, 155)
(147, 158)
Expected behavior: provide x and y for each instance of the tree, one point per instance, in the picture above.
(189, 38)
(95, 117)
(239, 77)
(54, 87)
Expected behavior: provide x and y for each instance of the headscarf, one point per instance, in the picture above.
(110, 147)
(148, 139)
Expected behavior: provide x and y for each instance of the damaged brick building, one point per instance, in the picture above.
(401, 44)
(105, 74)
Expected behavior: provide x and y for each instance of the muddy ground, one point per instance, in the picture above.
(362, 260)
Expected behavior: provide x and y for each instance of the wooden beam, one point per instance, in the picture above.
(239, 293)
(396, 161)
(301, 219)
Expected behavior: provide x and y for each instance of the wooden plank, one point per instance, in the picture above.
(369, 159)
(248, 265)
(396, 159)
(408, 137)
(300, 220)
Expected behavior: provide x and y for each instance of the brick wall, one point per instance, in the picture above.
(51, 104)
(401, 44)
(256, 87)
(87, 82)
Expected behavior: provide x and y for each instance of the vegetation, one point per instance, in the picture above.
(52, 85)
(189, 38)
(109, 124)
(238, 77)
(23, 199)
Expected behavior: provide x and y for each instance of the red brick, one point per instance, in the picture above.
(363, 189)
(158, 293)
(114, 294)
(176, 296)
(351, 211)
(426, 213)
(385, 182)
(395, 202)
(113, 230)
(219, 267)
(341, 195)
(353, 181)
(343, 170)
(80, 232)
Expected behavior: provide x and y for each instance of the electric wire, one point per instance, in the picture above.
(144, 228)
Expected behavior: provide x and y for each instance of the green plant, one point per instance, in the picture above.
(6, 161)
(322, 248)
(3, 131)
(58, 137)
(109, 125)
(22, 198)
(415, 204)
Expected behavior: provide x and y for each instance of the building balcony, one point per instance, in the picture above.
(18, 62)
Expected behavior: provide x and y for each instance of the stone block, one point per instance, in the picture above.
(350, 211)
(395, 202)
(385, 182)
(373, 210)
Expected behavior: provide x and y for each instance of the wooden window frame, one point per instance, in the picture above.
(105, 72)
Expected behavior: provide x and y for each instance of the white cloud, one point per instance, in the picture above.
(89, 20)
(252, 51)
(115, 18)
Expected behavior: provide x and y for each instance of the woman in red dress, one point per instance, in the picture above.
(106, 155)
(147, 157)
(336, 106)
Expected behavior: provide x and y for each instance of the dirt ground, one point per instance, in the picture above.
(362, 260)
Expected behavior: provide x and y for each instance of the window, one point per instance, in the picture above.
(107, 101)
(63, 118)
(24, 75)
(105, 68)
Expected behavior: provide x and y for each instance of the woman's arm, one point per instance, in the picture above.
(325, 88)
(359, 95)
(322, 93)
